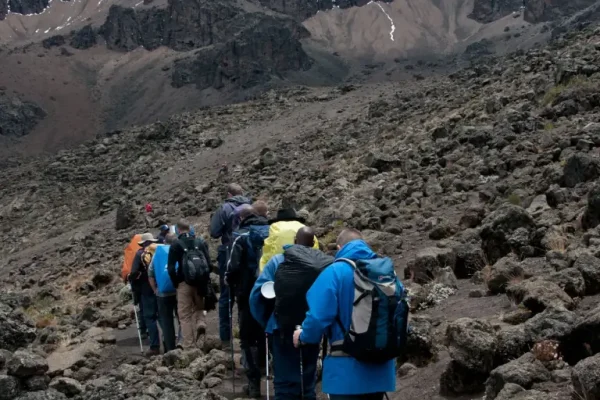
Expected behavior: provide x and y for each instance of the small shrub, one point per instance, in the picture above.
(514, 199)
(552, 94)
(548, 126)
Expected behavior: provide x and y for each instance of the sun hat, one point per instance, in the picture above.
(147, 237)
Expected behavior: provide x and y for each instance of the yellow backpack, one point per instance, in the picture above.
(280, 234)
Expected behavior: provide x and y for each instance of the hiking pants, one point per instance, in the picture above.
(224, 323)
(150, 312)
(252, 342)
(189, 308)
(167, 310)
(286, 368)
(137, 301)
(368, 396)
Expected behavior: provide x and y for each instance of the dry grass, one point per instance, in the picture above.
(552, 94)
(514, 199)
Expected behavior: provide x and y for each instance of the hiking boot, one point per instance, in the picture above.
(152, 352)
(226, 344)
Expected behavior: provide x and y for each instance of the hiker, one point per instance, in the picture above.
(333, 311)
(282, 232)
(163, 232)
(191, 279)
(240, 277)
(166, 294)
(139, 279)
(279, 323)
(221, 227)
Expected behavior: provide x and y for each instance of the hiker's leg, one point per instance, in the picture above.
(185, 308)
(165, 313)
(310, 354)
(224, 323)
(247, 343)
(198, 312)
(286, 368)
(151, 316)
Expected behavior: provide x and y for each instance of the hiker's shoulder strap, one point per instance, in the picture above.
(347, 261)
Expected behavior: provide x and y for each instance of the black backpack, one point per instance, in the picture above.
(195, 267)
(294, 277)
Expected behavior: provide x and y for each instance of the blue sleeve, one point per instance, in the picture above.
(217, 223)
(257, 301)
(322, 299)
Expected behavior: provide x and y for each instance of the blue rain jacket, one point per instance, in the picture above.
(332, 291)
(259, 306)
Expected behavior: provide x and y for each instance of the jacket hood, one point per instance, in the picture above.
(254, 220)
(356, 250)
(238, 200)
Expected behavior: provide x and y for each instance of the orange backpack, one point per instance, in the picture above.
(130, 251)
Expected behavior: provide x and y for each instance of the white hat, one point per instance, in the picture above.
(147, 237)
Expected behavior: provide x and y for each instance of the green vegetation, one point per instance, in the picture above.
(548, 126)
(552, 94)
(514, 199)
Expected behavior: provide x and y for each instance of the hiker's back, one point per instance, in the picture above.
(294, 277)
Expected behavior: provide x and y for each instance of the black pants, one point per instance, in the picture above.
(252, 342)
(368, 396)
(167, 310)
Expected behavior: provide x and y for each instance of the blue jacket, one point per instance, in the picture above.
(259, 306)
(221, 224)
(332, 291)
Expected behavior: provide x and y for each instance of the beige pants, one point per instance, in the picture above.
(189, 307)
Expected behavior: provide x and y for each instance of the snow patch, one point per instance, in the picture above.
(388, 16)
(138, 4)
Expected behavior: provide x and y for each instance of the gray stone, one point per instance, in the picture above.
(24, 364)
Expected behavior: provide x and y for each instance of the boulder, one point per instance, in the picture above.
(9, 387)
(17, 329)
(420, 346)
(585, 378)
(36, 383)
(68, 386)
(525, 372)
(84, 38)
(472, 345)
(502, 273)
(591, 217)
(469, 259)
(125, 216)
(583, 340)
(24, 364)
(570, 280)
(429, 261)
(49, 394)
(580, 167)
(589, 266)
(539, 294)
(499, 226)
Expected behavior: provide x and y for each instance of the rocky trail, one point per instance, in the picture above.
(482, 185)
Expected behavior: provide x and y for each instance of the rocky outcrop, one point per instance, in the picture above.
(535, 10)
(84, 38)
(256, 54)
(301, 10)
(3, 9)
(28, 6)
(237, 47)
(17, 330)
(53, 41)
(18, 118)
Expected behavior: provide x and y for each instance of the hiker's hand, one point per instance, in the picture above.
(297, 342)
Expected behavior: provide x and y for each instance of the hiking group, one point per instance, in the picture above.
(293, 300)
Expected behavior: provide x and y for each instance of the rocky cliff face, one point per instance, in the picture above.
(245, 48)
(264, 48)
(535, 10)
(302, 9)
(3, 9)
(18, 118)
(28, 6)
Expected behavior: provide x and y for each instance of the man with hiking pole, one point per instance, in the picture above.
(360, 304)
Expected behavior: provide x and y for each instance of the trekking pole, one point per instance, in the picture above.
(301, 368)
(137, 323)
(267, 363)
(231, 339)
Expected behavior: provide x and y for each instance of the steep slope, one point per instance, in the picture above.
(481, 185)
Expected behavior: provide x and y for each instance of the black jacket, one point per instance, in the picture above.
(239, 275)
(176, 252)
(139, 276)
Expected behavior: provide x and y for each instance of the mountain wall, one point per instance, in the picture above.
(18, 118)
(536, 11)
(303, 9)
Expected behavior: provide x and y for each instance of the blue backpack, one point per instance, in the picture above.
(161, 274)
(254, 239)
(379, 323)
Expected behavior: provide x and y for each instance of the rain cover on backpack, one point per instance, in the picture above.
(294, 277)
(280, 234)
(379, 324)
(161, 274)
